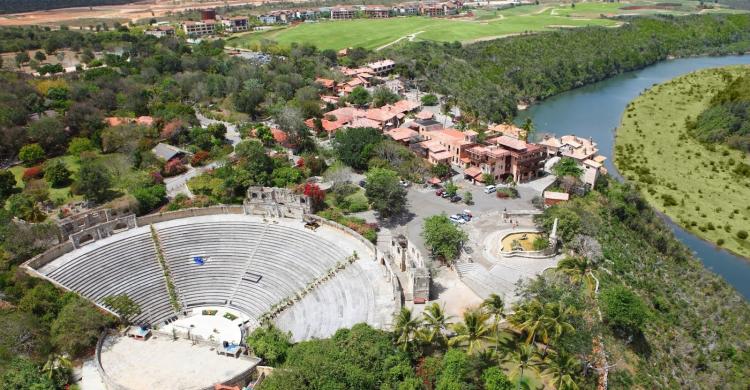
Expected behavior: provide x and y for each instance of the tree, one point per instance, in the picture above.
(429, 100)
(385, 192)
(435, 325)
(22, 58)
(43, 301)
(7, 184)
(49, 133)
(495, 379)
(563, 369)
(22, 206)
(22, 373)
(77, 327)
(441, 170)
(355, 146)
(40, 56)
(468, 198)
(359, 97)
(93, 181)
(79, 145)
(270, 344)
(56, 173)
(488, 179)
(405, 328)
(623, 310)
(495, 307)
(473, 332)
(578, 270)
(38, 190)
(528, 129)
(31, 154)
(567, 167)
(523, 357)
(382, 96)
(58, 369)
(123, 306)
(454, 371)
(443, 238)
(451, 189)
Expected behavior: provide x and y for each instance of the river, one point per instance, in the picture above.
(595, 111)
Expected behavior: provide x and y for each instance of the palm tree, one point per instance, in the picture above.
(523, 358)
(495, 307)
(405, 328)
(578, 269)
(562, 368)
(473, 331)
(57, 368)
(530, 318)
(434, 325)
(528, 126)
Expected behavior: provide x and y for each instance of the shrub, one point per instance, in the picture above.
(742, 234)
(31, 154)
(56, 173)
(623, 309)
(79, 145)
(429, 100)
(200, 158)
(173, 168)
(32, 173)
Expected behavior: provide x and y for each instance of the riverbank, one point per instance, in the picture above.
(692, 184)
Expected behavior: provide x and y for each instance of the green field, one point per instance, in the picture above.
(372, 34)
(654, 151)
(484, 24)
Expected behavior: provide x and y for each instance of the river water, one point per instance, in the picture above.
(595, 111)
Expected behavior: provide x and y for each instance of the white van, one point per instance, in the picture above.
(490, 189)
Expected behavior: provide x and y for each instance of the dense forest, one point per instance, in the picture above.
(13, 6)
(488, 79)
(727, 120)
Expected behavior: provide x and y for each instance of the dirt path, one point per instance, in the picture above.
(409, 37)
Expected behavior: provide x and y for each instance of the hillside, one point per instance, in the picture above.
(14, 6)
(727, 119)
(488, 79)
(702, 187)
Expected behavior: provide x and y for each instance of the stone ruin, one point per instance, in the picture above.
(409, 261)
(276, 203)
(85, 228)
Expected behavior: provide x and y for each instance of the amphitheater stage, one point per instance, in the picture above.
(163, 363)
(215, 327)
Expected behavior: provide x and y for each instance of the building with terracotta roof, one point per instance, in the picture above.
(381, 67)
(402, 135)
(377, 12)
(160, 31)
(204, 27)
(504, 157)
(236, 24)
(447, 145)
(402, 106)
(340, 13)
(584, 151)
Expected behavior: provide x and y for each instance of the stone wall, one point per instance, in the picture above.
(186, 213)
(276, 203)
(83, 221)
(103, 230)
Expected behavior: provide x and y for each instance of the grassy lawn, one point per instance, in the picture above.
(54, 193)
(371, 34)
(711, 201)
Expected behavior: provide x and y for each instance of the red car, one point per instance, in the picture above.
(439, 192)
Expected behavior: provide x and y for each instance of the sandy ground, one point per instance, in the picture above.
(134, 11)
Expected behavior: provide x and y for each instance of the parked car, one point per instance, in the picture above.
(464, 216)
(362, 183)
(456, 199)
(490, 189)
(439, 192)
(457, 219)
(446, 194)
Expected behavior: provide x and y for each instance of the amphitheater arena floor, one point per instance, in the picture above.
(162, 363)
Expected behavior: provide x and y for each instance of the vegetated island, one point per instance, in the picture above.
(685, 145)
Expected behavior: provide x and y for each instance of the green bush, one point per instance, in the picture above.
(742, 234)
(31, 154)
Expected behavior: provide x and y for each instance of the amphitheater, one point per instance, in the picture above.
(252, 268)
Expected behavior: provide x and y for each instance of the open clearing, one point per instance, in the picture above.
(711, 201)
(483, 24)
(372, 33)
